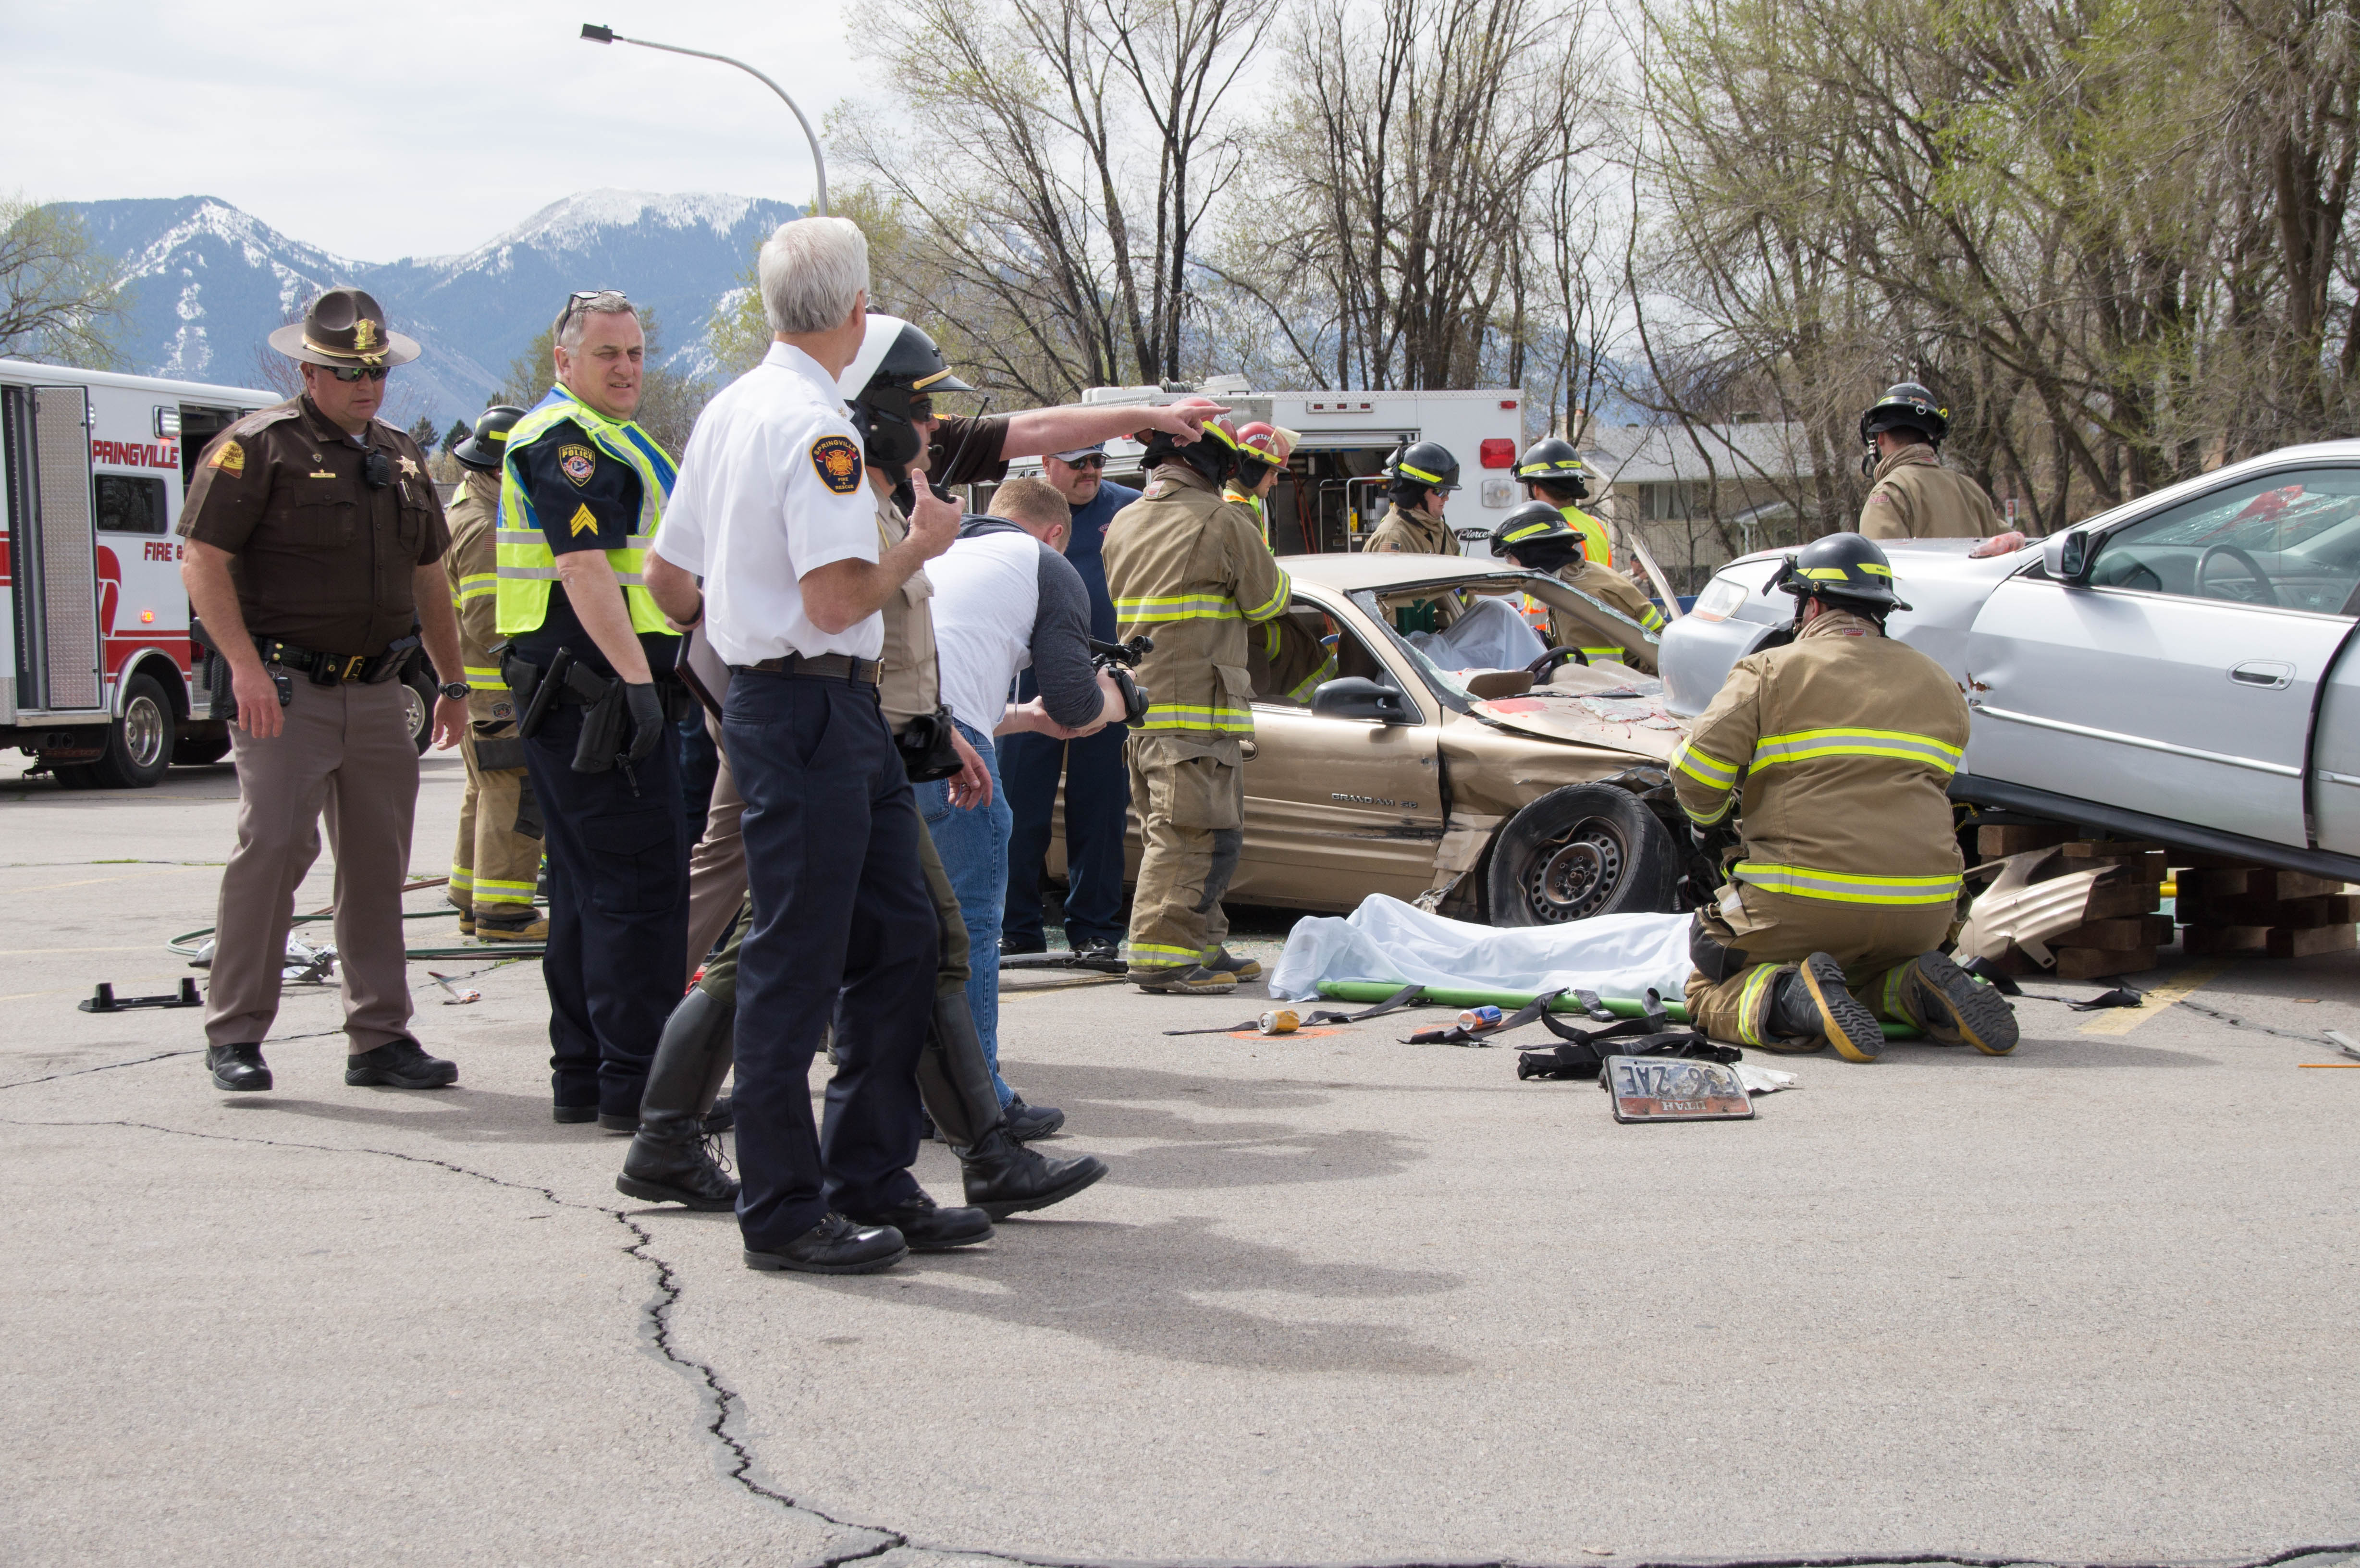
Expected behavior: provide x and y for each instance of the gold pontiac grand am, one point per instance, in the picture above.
(1518, 797)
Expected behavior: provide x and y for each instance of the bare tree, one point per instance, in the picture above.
(62, 300)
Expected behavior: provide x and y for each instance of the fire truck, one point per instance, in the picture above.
(99, 682)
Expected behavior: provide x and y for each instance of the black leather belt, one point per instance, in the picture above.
(828, 666)
(336, 669)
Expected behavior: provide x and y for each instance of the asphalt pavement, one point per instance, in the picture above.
(1342, 1300)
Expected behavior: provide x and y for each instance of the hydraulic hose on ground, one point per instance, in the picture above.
(1457, 997)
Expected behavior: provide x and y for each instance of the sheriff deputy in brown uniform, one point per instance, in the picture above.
(1190, 570)
(1841, 744)
(1538, 537)
(314, 543)
(1914, 496)
(497, 863)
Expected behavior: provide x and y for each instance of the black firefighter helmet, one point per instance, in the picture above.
(1419, 467)
(888, 387)
(1906, 406)
(1533, 526)
(1213, 455)
(1848, 571)
(487, 445)
(1554, 462)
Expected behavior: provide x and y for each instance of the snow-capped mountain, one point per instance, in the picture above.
(211, 282)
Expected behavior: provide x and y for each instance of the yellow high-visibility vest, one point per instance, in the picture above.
(521, 556)
(1593, 535)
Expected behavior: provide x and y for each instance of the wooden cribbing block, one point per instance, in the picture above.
(2195, 940)
(2097, 963)
(2118, 935)
(2116, 897)
(2256, 882)
(2249, 909)
(2303, 944)
(2012, 839)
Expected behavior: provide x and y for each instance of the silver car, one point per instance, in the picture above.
(2178, 669)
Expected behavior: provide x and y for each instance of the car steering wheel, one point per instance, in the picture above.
(1539, 668)
(2261, 582)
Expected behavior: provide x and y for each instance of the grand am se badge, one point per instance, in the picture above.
(1371, 801)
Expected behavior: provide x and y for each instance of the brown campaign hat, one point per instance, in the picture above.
(344, 327)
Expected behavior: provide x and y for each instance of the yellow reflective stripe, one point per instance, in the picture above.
(485, 885)
(1752, 1006)
(1703, 767)
(1843, 888)
(1652, 618)
(1802, 745)
(1177, 607)
(478, 587)
(518, 536)
(541, 573)
(1312, 682)
(1824, 573)
(1276, 603)
(462, 878)
(485, 678)
(1875, 571)
(1137, 950)
(1892, 977)
(1174, 717)
(1421, 473)
(1527, 531)
(1613, 653)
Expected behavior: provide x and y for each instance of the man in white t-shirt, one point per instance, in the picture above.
(1006, 599)
(772, 510)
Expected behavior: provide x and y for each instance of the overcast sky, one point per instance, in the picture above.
(413, 129)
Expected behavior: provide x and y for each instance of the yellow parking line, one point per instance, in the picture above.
(94, 881)
(32, 951)
(2125, 1020)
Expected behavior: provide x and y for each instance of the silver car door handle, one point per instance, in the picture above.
(1249, 749)
(2269, 674)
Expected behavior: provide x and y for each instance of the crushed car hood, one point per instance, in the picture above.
(1629, 717)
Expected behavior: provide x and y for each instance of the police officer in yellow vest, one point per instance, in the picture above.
(1552, 471)
(1190, 570)
(581, 494)
(1834, 754)
(1536, 536)
(497, 863)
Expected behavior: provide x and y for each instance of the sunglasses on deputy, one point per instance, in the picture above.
(349, 372)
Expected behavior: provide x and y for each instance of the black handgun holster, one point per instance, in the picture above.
(606, 731)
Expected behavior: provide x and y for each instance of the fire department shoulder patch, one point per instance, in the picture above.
(837, 462)
(229, 457)
(577, 463)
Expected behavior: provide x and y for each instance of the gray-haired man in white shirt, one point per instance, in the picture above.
(771, 510)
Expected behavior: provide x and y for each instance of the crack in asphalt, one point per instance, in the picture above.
(725, 1401)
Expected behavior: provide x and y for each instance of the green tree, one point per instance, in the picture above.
(62, 298)
(460, 430)
(422, 432)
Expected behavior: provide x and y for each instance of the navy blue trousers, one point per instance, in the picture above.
(617, 904)
(841, 912)
(1097, 797)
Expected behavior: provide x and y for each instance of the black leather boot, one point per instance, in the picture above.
(953, 1078)
(671, 1160)
(237, 1067)
(1811, 1002)
(1003, 1177)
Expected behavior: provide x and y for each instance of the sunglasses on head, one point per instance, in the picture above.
(349, 372)
(580, 298)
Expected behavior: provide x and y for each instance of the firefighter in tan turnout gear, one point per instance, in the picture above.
(1913, 495)
(1190, 569)
(1538, 537)
(1834, 753)
(497, 863)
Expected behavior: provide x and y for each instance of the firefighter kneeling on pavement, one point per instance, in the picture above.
(1835, 753)
(1190, 569)
(497, 864)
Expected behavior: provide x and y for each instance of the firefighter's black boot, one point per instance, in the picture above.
(1811, 1002)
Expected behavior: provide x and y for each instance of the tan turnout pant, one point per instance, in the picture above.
(345, 752)
(1748, 938)
(495, 865)
(1190, 795)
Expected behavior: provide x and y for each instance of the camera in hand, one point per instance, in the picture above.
(1120, 659)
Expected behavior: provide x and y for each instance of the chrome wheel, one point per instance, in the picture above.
(415, 714)
(146, 732)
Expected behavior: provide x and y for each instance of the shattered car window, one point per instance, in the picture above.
(2288, 540)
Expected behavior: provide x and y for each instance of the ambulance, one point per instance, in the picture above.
(1329, 499)
(98, 682)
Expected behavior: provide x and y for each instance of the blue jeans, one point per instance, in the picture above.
(974, 847)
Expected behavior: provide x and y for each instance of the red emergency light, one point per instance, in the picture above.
(1498, 453)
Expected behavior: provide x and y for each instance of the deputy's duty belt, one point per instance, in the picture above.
(336, 669)
(830, 666)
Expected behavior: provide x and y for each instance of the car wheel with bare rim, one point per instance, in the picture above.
(1584, 850)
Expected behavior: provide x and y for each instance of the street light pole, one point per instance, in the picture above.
(599, 35)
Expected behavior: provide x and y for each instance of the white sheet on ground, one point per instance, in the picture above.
(1488, 635)
(1387, 941)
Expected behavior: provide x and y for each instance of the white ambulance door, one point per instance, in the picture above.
(53, 548)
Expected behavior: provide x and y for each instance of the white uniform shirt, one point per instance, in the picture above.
(772, 486)
(987, 591)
